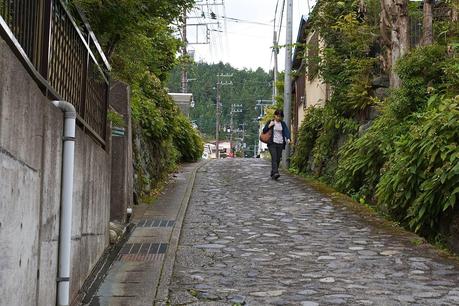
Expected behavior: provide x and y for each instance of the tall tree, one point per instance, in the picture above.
(136, 35)
(395, 34)
(427, 23)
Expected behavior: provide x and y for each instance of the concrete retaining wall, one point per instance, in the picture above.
(30, 176)
(122, 183)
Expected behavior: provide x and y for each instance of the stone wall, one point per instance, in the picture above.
(30, 176)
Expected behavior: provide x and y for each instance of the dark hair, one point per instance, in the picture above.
(279, 112)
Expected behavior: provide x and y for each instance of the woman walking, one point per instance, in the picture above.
(279, 138)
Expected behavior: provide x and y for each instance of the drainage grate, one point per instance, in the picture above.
(142, 251)
(156, 223)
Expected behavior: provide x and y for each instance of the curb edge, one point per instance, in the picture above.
(162, 290)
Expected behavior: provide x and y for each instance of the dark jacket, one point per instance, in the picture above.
(285, 132)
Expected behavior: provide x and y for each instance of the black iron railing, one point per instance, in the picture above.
(58, 50)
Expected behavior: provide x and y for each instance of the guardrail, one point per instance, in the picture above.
(62, 54)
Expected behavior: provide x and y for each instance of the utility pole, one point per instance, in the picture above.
(220, 83)
(217, 119)
(243, 132)
(262, 104)
(288, 77)
(235, 108)
(184, 55)
(275, 72)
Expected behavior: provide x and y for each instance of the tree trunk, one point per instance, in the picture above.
(455, 21)
(403, 26)
(427, 35)
(363, 9)
(385, 29)
(454, 13)
(395, 33)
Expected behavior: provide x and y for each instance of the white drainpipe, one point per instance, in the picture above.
(63, 279)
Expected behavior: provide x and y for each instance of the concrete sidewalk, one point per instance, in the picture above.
(147, 257)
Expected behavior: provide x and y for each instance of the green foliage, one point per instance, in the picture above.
(187, 140)
(138, 39)
(307, 137)
(136, 34)
(421, 71)
(421, 179)
(280, 91)
(345, 64)
(324, 153)
(152, 108)
(161, 120)
(115, 118)
(318, 141)
(153, 49)
(361, 158)
(407, 160)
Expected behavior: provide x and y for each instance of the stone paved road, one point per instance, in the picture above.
(250, 240)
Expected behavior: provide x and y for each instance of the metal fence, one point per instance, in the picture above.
(58, 49)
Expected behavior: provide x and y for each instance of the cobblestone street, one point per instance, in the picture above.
(247, 239)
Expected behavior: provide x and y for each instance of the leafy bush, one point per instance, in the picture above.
(187, 140)
(138, 39)
(347, 67)
(307, 136)
(420, 71)
(318, 139)
(167, 136)
(408, 160)
(421, 179)
(335, 128)
(362, 159)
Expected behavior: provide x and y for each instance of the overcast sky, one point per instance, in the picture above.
(247, 35)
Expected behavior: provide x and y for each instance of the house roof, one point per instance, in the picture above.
(300, 41)
(181, 97)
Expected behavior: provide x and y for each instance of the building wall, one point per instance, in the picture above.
(301, 113)
(30, 176)
(316, 91)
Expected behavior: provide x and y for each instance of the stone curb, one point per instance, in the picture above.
(162, 291)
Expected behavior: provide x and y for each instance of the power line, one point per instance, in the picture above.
(237, 20)
(275, 14)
